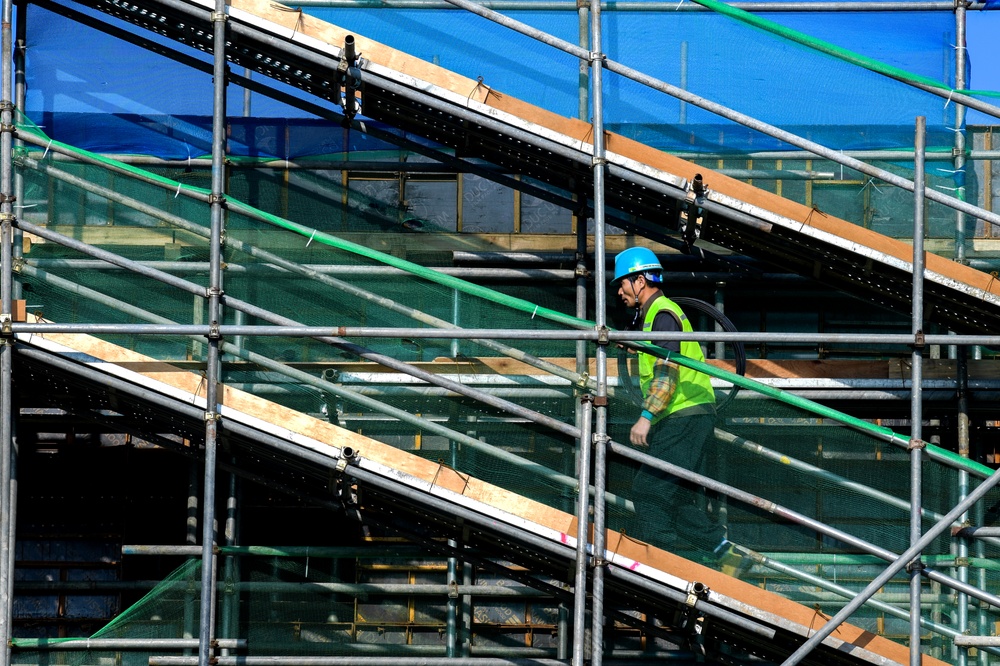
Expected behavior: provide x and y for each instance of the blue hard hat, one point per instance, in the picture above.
(635, 260)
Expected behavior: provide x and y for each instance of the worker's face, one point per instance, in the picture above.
(629, 290)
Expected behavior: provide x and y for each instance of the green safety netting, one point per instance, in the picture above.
(339, 259)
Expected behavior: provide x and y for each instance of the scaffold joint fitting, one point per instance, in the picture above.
(17, 264)
(5, 326)
(919, 341)
(597, 55)
(217, 199)
(600, 401)
(4, 127)
(6, 217)
(212, 416)
(915, 565)
(602, 335)
(8, 198)
(599, 161)
(213, 291)
(214, 331)
(581, 271)
(219, 16)
(916, 444)
(587, 397)
(695, 592)
(962, 562)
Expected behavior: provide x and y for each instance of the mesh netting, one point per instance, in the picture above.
(352, 265)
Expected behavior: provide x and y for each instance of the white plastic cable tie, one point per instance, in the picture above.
(950, 170)
(534, 312)
(364, 129)
(178, 192)
(956, 129)
(951, 189)
(311, 238)
(677, 8)
(47, 149)
(871, 182)
(948, 101)
(25, 205)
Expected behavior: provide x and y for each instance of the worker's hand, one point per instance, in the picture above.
(639, 432)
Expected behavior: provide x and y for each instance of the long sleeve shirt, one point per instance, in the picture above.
(661, 390)
(665, 374)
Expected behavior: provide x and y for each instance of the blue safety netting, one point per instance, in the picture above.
(101, 93)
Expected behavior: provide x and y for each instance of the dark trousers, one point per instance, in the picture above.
(668, 508)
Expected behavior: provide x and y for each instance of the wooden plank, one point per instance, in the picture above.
(477, 489)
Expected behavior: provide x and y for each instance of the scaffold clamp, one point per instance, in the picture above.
(214, 331)
(916, 444)
(5, 327)
(603, 333)
(212, 416)
(219, 16)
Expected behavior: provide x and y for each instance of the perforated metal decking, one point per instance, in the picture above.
(645, 189)
(427, 502)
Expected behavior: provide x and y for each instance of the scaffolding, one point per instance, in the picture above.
(552, 406)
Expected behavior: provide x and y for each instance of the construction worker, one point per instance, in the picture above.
(677, 418)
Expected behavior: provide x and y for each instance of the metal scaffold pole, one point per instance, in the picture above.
(213, 362)
(916, 412)
(20, 90)
(8, 445)
(601, 438)
(582, 529)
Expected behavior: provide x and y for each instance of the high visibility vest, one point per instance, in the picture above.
(693, 387)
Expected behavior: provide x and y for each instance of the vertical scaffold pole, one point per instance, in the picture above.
(208, 569)
(960, 180)
(600, 318)
(20, 90)
(960, 656)
(582, 529)
(916, 391)
(8, 447)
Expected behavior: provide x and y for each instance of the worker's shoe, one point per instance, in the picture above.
(731, 559)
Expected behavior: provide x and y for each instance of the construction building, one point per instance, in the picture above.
(309, 356)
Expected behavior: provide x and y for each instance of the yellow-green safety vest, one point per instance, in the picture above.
(693, 387)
